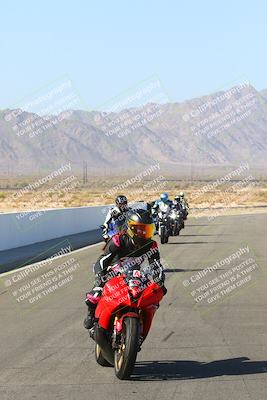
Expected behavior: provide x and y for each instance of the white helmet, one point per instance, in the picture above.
(181, 194)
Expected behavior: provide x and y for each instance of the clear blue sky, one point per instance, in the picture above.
(107, 46)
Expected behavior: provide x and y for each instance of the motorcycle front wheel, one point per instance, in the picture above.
(125, 355)
(175, 229)
(162, 235)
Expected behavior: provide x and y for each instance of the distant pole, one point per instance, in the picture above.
(85, 172)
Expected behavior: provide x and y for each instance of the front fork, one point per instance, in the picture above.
(118, 327)
(145, 317)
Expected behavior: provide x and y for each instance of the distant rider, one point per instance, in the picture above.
(164, 204)
(181, 204)
(177, 202)
(116, 214)
(136, 243)
(183, 200)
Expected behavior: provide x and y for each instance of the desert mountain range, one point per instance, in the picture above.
(225, 128)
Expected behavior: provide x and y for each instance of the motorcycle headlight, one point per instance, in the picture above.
(135, 286)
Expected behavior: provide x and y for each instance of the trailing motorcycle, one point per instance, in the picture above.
(164, 226)
(176, 221)
(184, 211)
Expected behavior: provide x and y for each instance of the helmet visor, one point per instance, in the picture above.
(144, 231)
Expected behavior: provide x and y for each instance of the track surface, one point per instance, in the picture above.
(194, 351)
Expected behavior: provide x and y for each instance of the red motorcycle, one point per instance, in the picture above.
(124, 315)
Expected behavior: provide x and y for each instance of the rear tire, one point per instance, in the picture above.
(124, 360)
(99, 357)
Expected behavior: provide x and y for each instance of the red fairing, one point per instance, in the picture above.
(148, 302)
(148, 315)
(151, 295)
(115, 295)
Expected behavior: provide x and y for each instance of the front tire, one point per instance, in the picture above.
(175, 229)
(162, 234)
(125, 356)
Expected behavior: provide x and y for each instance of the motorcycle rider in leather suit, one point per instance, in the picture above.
(164, 204)
(137, 243)
(117, 213)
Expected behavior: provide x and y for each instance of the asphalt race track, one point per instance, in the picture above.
(208, 340)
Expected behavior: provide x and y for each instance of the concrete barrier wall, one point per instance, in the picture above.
(24, 228)
(21, 229)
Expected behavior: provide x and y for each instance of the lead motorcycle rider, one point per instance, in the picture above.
(136, 243)
(119, 212)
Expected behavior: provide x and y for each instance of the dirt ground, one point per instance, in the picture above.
(24, 196)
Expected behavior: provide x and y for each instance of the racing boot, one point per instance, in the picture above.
(91, 300)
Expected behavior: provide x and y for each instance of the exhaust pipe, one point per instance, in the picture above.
(101, 339)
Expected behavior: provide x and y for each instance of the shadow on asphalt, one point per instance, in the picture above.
(181, 370)
(220, 234)
(181, 270)
(196, 225)
(210, 224)
(170, 270)
(194, 242)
